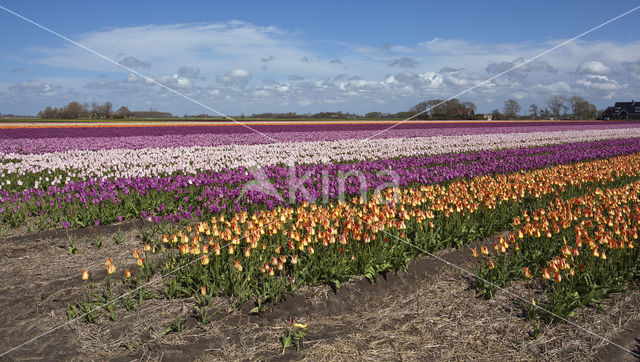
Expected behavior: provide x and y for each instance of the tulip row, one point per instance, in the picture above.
(177, 197)
(41, 141)
(262, 256)
(62, 167)
(584, 247)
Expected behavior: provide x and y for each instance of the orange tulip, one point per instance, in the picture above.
(545, 274)
(527, 273)
(184, 249)
(237, 265)
(474, 252)
(205, 259)
(127, 274)
(557, 277)
(203, 291)
(85, 274)
(491, 265)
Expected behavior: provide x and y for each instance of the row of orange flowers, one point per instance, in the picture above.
(608, 213)
(284, 234)
(360, 220)
(585, 245)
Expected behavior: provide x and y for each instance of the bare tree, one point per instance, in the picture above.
(101, 110)
(511, 108)
(469, 105)
(556, 105)
(49, 113)
(442, 108)
(533, 111)
(573, 104)
(108, 109)
(581, 109)
(545, 114)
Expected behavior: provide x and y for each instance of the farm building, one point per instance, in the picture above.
(124, 112)
(622, 110)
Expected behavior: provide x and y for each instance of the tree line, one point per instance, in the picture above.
(75, 110)
(557, 107)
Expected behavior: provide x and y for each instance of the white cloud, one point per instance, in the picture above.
(133, 62)
(234, 78)
(593, 67)
(190, 72)
(223, 65)
(518, 68)
(554, 88)
(404, 62)
(600, 82)
(633, 68)
(35, 88)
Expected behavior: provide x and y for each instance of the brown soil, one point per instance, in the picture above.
(428, 312)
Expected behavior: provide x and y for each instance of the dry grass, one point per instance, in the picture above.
(431, 312)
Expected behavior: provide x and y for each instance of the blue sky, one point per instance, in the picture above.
(245, 57)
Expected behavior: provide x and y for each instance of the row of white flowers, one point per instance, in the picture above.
(190, 160)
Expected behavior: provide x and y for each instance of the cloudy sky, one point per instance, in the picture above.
(355, 56)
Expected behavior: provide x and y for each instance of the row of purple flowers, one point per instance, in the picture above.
(42, 140)
(173, 198)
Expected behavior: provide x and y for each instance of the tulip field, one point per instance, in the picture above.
(161, 225)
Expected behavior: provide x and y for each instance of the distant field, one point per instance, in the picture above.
(39, 123)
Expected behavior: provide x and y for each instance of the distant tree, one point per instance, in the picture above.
(373, 115)
(428, 107)
(403, 115)
(511, 108)
(545, 114)
(581, 109)
(108, 109)
(574, 104)
(438, 108)
(48, 113)
(469, 105)
(73, 110)
(495, 115)
(533, 111)
(100, 111)
(452, 106)
(420, 107)
(556, 105)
